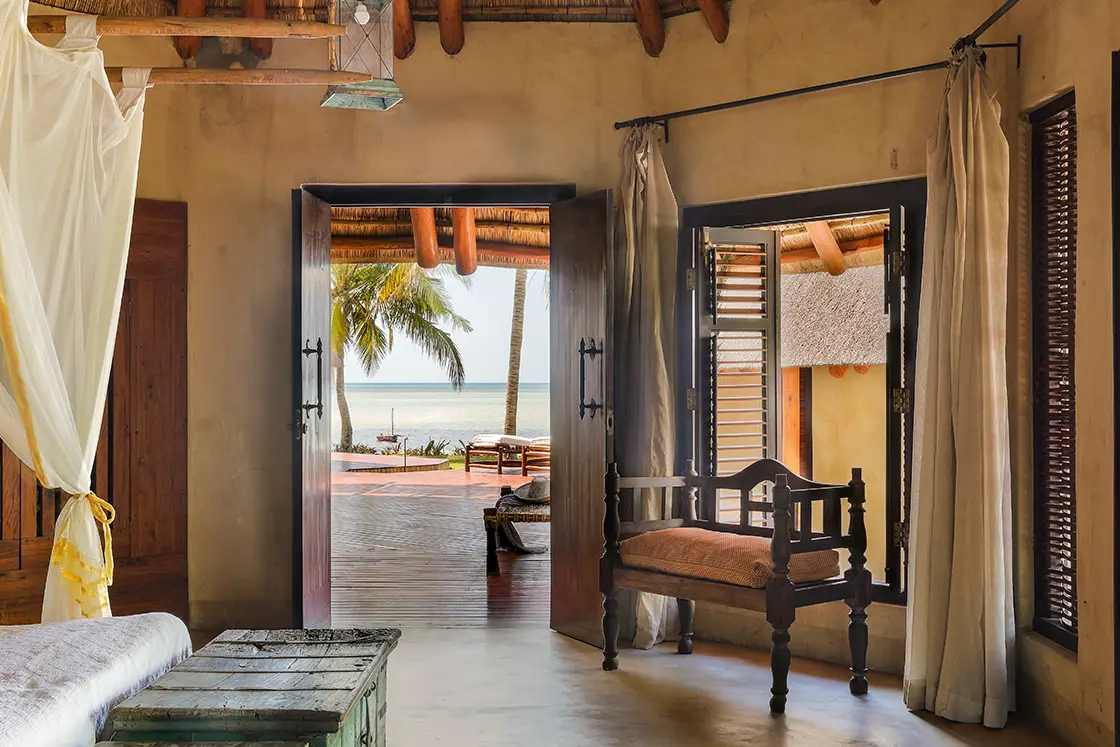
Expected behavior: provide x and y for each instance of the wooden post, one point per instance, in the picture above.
(249, 28)
(780, 600)
(188, 47)
(466, 248)
(424, 237)
(404, 30)
(651, 27)
(860, 579)
(612, 555)
(715, 14)
(451, 25)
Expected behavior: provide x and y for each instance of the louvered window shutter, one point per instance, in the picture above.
(1053, 294)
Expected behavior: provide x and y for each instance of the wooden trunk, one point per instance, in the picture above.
(322, 688)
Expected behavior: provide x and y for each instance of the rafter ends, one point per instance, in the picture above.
(651, 26)
(451, 35)
(261, 48)
(404, 29)
(465, 240)
(715, 15)
(425, 240)
(188, 47)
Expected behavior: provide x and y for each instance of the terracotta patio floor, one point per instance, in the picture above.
(408, 550)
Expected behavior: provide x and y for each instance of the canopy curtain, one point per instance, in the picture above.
(646, 289)
(960, 633)
(69, 152)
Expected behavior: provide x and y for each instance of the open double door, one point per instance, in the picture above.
(581, 318)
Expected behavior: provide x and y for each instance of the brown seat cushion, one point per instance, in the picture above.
(738, 559)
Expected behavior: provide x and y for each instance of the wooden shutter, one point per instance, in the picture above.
(741, 366)
(1053, 293)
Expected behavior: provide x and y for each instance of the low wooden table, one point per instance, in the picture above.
(322, 688)
(539, 513)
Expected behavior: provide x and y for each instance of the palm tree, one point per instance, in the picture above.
(371, 304)
(516, 333)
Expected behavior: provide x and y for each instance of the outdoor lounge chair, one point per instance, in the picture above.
(537, 456)
(498, 451)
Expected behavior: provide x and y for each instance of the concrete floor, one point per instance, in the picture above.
(478, 667)
(534, 688)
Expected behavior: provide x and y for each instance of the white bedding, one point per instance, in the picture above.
(58, 681)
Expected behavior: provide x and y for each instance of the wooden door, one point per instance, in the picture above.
(581, 302)
(141, 461)
(311, 480)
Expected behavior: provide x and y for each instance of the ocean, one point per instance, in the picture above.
(436, 411)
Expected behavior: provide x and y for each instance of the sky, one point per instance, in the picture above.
(488, 305)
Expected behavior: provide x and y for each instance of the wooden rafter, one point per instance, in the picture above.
(404, 30)
(357, 227)
(262, 48)
(827, 248)
(424, 238)
(651, 27)
(715, 14)
(465, 240)
(188, 47)
(231, 76)
(451, 26)
(249, 28)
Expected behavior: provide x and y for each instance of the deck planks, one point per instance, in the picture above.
(409, 551)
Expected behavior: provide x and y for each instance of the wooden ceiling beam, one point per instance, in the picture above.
(651, 26)
(451, 35)
(344, 226)
(404, 29)
(465, 240)
(825, 243)
(424, 239)
(248, 28)
(715, 14)
(261, 76)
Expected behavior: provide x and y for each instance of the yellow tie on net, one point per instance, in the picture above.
(104, 513)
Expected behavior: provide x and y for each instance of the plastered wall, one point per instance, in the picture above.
(535, 102)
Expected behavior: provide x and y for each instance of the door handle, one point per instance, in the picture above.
(586, 352)
(317, 351)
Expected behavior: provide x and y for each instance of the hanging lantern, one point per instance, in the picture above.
(367, 48)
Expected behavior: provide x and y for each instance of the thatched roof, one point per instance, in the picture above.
(507, 237)
(860, 239)
(834, 320)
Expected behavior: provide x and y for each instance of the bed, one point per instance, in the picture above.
(58, 681)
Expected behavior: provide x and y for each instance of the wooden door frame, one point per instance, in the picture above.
(910, 193)
(1115, 380)
(404, 196)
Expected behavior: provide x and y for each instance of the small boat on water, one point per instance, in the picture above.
(391, 437)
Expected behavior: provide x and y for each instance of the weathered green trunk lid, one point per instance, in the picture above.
(322, 687)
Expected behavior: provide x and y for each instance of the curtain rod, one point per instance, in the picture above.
(965, 41)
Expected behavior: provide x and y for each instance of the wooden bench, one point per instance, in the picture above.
(791, 538)
(493, 517)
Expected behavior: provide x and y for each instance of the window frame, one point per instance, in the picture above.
(905, 199)
(1046, 626)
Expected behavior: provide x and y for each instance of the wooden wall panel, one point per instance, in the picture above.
(144, 478)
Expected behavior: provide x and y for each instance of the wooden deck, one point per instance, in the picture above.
(408, 550)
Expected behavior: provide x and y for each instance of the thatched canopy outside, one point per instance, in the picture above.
(507, 237)
(860, 239)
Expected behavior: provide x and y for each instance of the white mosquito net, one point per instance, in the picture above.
(69, 152)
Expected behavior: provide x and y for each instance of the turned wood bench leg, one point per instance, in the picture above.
(685, 608)
(779, 669)
(860, 579)
(490, 519)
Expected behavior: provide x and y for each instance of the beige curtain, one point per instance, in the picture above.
(960, 620)
(647, 267)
